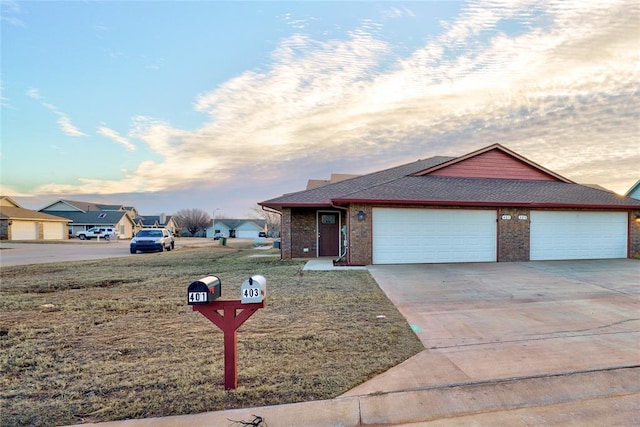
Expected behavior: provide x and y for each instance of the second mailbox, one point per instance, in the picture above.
(204, 291)
(253, 289)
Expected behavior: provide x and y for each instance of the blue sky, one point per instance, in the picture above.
(168, 105)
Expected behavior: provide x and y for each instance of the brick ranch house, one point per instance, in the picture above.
(491, 205)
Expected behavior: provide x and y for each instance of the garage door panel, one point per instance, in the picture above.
(246, 234)
(578, 235)
(53, 230)
(402, 236)
(24, 230)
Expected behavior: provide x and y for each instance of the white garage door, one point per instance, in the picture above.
(405, 236)
(246, 234)
(578, 235)
(23, 230)
(53, 230)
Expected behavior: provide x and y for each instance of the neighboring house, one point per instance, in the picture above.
(145, 222)
(17, 223)
(85, 215)
(491, 205)
(634, 191)
(156, 221)
(240, 228)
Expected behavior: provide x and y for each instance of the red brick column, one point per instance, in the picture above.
(285, 233)
(634, 235)
(514, 234)
(360, 239)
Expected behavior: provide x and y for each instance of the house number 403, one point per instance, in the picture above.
(251, 293)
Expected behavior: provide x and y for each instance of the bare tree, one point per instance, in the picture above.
(192, 220)
(272, 218)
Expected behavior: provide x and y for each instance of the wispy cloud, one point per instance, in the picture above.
(397, 12)
(66, 126)
(298, 24)
(9, 11)
(99, 29)
(115, 136)
(4, 101)
(33, 93)
(555, 81)
(63, 119)
(14, 192)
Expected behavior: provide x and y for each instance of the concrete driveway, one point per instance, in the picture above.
(562, 331)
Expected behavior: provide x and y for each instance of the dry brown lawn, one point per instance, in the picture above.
(114, 339)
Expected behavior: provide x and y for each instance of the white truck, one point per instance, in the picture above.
(106, 233)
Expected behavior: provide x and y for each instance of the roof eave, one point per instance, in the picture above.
(632, 189)
(35, 218)
(278, 206)
(485, 203)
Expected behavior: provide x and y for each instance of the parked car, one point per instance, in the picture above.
(106, 233)
(218, 236)
(152, 240)
(262, 234)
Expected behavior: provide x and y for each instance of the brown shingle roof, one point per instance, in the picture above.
(7, 212)
(399, 185)
(435, 190)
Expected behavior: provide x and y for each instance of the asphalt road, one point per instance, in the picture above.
(75, 250)
(37, 253)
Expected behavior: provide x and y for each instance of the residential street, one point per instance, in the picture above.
(75, 250)
(37, 253)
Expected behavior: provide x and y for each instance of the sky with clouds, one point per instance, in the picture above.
(169, 105)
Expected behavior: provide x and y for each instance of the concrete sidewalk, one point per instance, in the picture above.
(538, 343)
(575, 399)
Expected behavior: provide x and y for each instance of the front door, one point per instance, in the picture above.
(328, 234)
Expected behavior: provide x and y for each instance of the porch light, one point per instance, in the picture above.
(361, 215)
(637, 219)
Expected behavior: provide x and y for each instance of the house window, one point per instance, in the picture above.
(328, 219)
(102, 215)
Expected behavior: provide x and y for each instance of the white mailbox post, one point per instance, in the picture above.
(253, 289)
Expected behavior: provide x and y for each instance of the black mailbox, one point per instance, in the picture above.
(204, 290)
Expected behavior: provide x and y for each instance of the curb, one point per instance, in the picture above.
(422, 405)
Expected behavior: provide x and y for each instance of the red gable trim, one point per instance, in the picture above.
(494, 161)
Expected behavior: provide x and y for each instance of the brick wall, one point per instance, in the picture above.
(360, 235)
(4, 229)
(634, 235)
(303, 226)
(285, 233)
(513, 234)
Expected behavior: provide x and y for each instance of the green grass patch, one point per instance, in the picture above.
(114, 339)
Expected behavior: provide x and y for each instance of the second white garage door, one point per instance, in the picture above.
(53, 230)
(559, 235)
(411, 236)
(246, 234)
